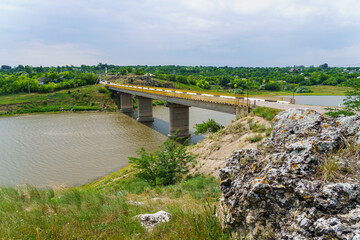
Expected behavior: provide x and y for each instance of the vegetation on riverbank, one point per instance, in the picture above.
(86, 98)
(106, 209)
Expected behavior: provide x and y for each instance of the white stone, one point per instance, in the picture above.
(149, 221)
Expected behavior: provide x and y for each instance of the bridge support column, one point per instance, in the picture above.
(126, 103)
(145, 109)
(179, 120)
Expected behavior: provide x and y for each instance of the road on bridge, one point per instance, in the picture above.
(263, 101)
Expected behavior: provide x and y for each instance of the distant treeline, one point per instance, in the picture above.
(45, 79)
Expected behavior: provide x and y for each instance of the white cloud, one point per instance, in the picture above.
(38, 53)
(123, 31)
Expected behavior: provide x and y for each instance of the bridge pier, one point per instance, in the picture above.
(179, 120)
(126, 103)
(145, 113)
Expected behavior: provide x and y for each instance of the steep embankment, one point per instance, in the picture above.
(302, 183)
(214, 151)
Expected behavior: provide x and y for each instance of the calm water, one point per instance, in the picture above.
(320, 100)
(75, 148)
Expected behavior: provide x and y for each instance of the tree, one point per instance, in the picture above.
(5, 67)
(52, 75)
(139, 71)
(324, 66)
(274, 86)
(29, 70)
(181, 79)
(203, 84)
(164, 167)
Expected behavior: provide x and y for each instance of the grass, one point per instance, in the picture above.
(268, 132)
(255, 138)
(267, 113)
(324, 90)
(101, 210)
(257, 127)
(330, 169)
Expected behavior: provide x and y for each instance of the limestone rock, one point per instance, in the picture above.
(136, 203)
(275, 192)
(149, 221)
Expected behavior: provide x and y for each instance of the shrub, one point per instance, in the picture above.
(209, 126)
(255, 138)
(272, 86)
(102, 90)
(302, 89)
(334, 112)
(256, 127)
(238, 91)
(164, 167)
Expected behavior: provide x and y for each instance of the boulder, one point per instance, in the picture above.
(149, 221)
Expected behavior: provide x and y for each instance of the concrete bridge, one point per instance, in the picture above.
(178, 102)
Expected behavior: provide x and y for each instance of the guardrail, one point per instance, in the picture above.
(221, 98)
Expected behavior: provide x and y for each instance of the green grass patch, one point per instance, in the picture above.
(255, 138)
(94, 212)
(267, 113)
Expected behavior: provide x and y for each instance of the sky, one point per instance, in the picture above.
(253, 33)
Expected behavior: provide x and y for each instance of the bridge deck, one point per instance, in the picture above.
(227, 99)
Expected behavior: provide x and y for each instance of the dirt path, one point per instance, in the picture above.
(214, 151)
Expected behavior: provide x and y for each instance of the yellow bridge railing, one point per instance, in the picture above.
(221, 98)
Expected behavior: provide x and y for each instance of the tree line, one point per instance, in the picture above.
(20, 78)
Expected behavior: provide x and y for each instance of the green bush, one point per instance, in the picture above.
(255, 138)
(334, 112)
(272, 86)
(238, 91)
(164, 167)
(302, 89)
(102, 90)
(209, 126)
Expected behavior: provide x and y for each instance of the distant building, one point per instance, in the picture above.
(43, 80)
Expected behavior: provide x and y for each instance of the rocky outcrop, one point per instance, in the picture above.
(301, 183)
(149, 221)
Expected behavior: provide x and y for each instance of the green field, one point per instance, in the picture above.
(317, 90)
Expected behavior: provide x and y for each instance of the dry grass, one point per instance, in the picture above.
(215, 150)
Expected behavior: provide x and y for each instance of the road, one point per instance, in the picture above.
(284, 106)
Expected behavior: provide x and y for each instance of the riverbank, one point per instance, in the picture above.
(106, 208)
(86, 98)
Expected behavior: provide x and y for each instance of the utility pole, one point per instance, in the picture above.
(247, 91)
(174, 79)
(293, 85)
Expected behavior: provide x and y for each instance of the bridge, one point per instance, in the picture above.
(179, 101)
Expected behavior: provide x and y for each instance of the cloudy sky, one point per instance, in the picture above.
(182, 32)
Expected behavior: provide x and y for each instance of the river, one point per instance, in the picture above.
(320, 100)
(76, 148)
